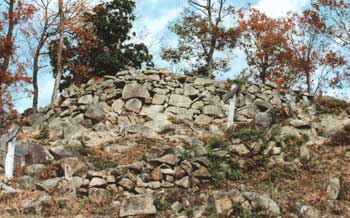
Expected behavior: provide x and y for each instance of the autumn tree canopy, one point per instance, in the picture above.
(12, 74)
(335, 15)
(312, 51)
(265, 43)
(101, 44)
(201, 34)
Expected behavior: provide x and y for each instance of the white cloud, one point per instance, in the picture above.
(277, 8)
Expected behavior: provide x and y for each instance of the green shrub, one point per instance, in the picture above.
(222, 168)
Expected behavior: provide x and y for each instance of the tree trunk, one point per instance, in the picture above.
(35, 82)
(210, 73)
(308, 81)
(9, 36)
(41, 43)
(54, 99)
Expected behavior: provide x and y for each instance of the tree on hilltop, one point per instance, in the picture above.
(201, 35)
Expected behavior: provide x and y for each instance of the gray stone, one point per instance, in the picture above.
(263, 120)
(239, 149)
(263, 202)
(35, 169)
(37, 203)
(135, 90)
(118, 106)
(304, 153)
(203, 82)
(180, 101)
(27, 182)
(50, 185)
(198, 105)
(200, 150)
(201, 173)
(157, 174)
(133, 105)
(213, 110)
(127, 183)
(95, 112)
(299, 124)
(262, 105)
(309, 212)
(190, 91)
(170, 159)
(98, 182)
(137, 205)
(184, 182)
(154, 185)
(99, 195)
(333, 188)
(220, 203)
(86, 99)
(203, 120)
(179, 113)
(78, 167)
(158, 99)
(94, 139)
(160, 126)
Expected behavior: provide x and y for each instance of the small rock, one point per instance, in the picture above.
(200, 150)
(157, 174)
(134, 105)
(97, 182)
(221, 203)
(300, 124)
(309, 212)
(176, 207)
(240, 149)
(118, 106)
(184, 182)
(170, 159)
(203, 120)
(201, 173)
(154, 185)
(127, 183)
(333, 188)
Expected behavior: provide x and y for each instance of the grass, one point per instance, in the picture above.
(340, 138)
(221, 169)
(329, 105)
(99, 159)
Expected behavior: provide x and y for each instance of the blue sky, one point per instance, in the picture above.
(153, 17)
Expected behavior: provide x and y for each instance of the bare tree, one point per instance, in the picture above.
(47, 21)
(54, 98)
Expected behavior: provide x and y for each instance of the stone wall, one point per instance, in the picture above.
(154, 97)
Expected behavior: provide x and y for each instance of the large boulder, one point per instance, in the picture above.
(95, 112)
(213, 110)
(135, 90)
(180, 101)
(137, 205)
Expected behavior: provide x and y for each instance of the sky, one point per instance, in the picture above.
(153, 18)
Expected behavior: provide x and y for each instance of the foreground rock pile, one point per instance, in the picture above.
(153, 143)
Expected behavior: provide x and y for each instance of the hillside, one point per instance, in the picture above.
(153, 143)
